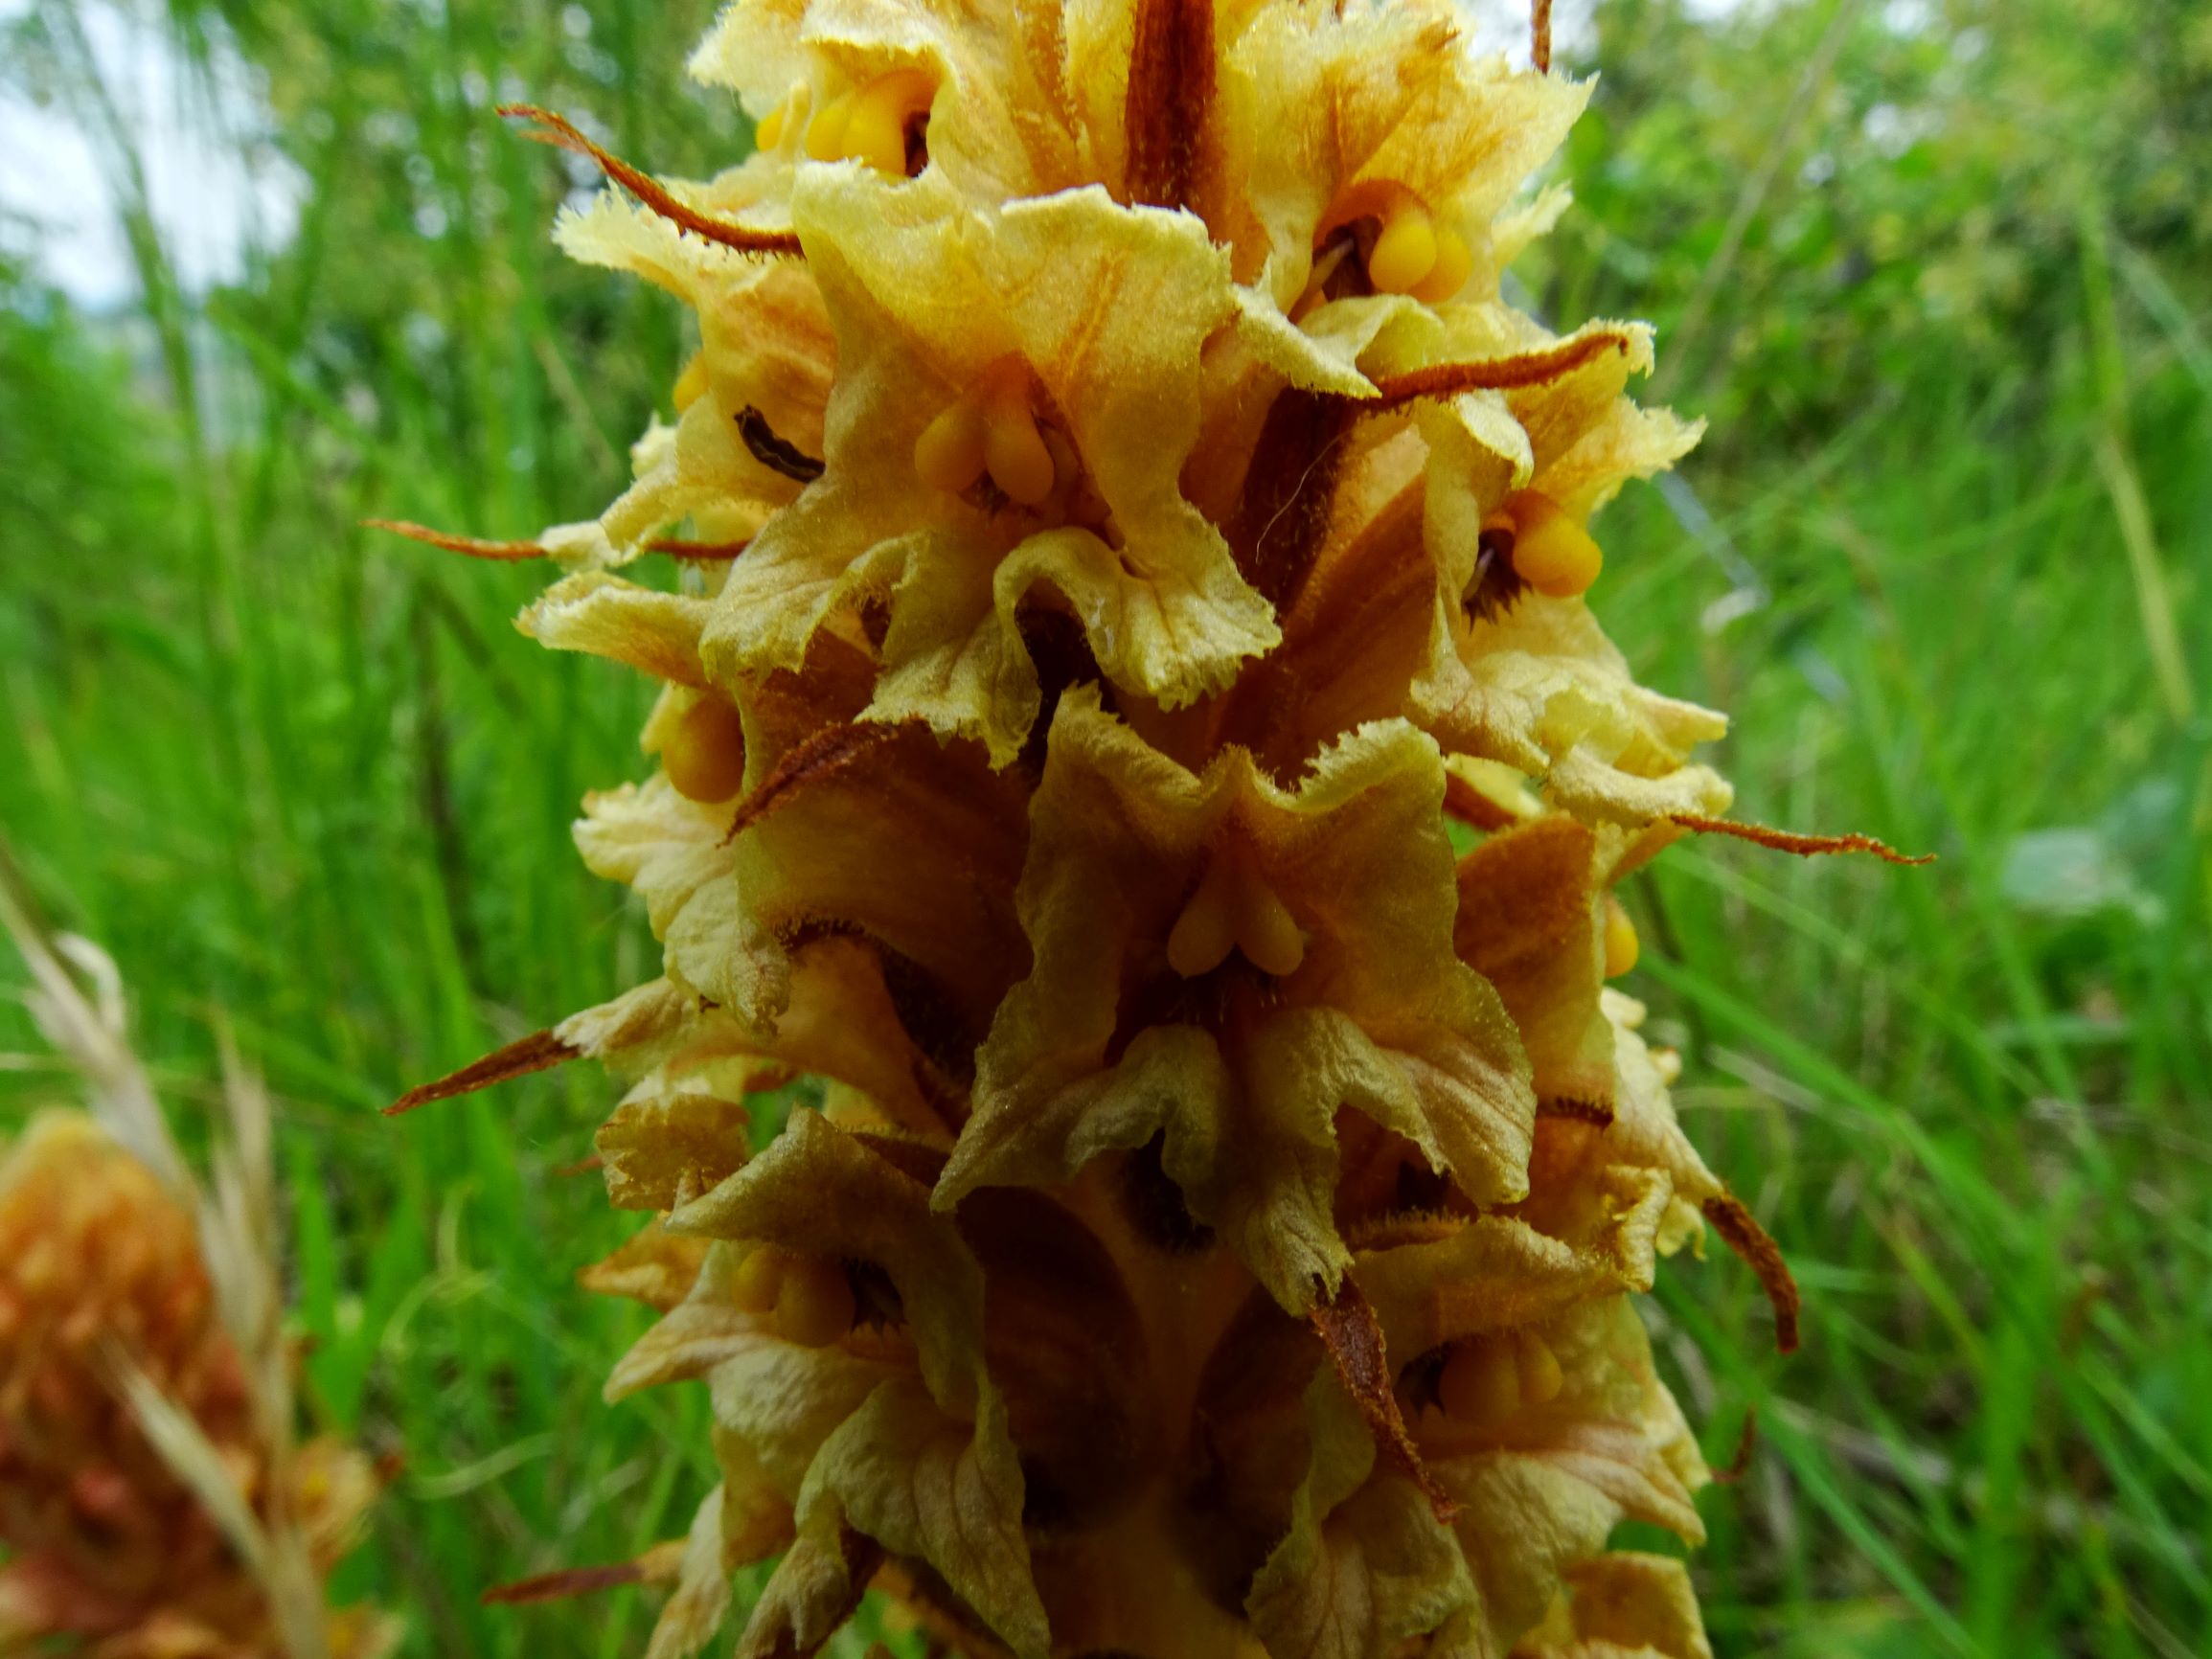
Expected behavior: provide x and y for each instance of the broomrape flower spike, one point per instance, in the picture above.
(1134, 737)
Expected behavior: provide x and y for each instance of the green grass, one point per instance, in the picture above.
(306, 781)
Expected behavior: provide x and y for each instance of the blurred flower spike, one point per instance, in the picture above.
(154, 1503)
(1141, 1146)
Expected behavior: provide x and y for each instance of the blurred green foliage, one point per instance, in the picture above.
(1937, 269)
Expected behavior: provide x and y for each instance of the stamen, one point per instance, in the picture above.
(1551, 552)
(562, 134)
(705, 756)
(1621, 944)
(814, 1304)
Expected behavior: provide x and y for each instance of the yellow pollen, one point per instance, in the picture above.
(1621, 944)
(692, 383)
(814, 1306)
(1235, 909)
(1536, 1369)
(705, 756)
(759, 1279)
(1454, 265)
(875, 131)
(826, 131)
(1551, 552)
(948, 455)
(1480, 1383)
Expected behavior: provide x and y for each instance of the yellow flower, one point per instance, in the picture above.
(1017, 394)
(1227, 964)
(1128, 1183)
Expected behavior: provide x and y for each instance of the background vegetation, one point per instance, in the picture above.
(1939, 270)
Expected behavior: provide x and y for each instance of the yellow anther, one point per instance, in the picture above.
(1480, 1383)
(1621, 945)
(1536, 1369)
(826, 131)
(875, 131)
(1235, 909)
(1020, 464)
(705, 756)
(769, 132)
(1551, 552)
(1454, 265)
(815, 1305)
(692, 383)
(1405, 252)
(758, 1280)
(948, 455)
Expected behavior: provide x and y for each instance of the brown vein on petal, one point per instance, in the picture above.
(1352, 1335)
(1790, 841)
(1170, 97)
(1764, 1256)
(540, 1051)
(562, 134)
(478, 547)
(1496, 374)
(814, 759)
